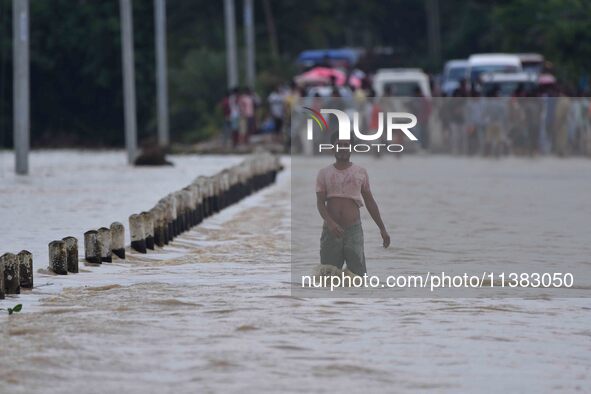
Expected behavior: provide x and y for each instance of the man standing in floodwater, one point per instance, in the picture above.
(341, 190)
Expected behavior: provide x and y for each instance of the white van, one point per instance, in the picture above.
(401, 82)
(453, 72)
(507, 84)
(532, 62)
(491, 63)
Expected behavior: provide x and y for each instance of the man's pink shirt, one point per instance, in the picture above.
(347, 183)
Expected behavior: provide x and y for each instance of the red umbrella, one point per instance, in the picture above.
(324, 76)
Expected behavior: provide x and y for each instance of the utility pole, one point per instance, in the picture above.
(433, 32)
(21, 103)
(231, 64)
(271, 30)
(250, 43)
(128, 79)
(161, 72)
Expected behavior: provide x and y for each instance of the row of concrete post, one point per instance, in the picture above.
(171, 216)
(182, 210)
(63, 256)
(101, 245)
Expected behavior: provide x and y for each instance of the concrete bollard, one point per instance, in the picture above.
(172, 220)
(178, 221)
(186, 211)
(160, 227)
(211, 197)
(242, 183)
(92, 250)
(199, 203)
(171, 215)
(215, 180)
(194, 203)
(148, 221)
(203, 185)
(196, 213)
(164, 233)
(230, 188)
(12, 283)
(25, 263)
(72, 253)
(225, 176)
(222, 194)
(136, 230)
(209, 186)
(253, 177)
(276, 168)
(187, 208)
(220, 182)
(234, 187)
(166, 219)
(246, 183)
(118, 239)
(195, 200)
(58, 258)
(1, 280)
(104, 241)
(154, 212)
(185, 204)
(163, 223)
(203, 197)
(225, 188)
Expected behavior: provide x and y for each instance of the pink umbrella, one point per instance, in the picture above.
(546, 79)
(324, 75)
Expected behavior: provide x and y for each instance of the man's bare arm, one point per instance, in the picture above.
(330, 222)
(374, 212)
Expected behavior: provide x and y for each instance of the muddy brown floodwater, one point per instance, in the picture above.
(214, 313)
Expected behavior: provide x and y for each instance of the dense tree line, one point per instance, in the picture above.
(76, 85)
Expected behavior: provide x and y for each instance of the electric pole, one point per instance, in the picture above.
(250, 43)
(231, 64)
(433, 32)
(128, 79)
(161, 72)
(21, 104)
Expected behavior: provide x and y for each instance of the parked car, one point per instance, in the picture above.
(453, 72)
(401, 82)
(507, 83)
(327, 91)
(532, 62)
(491, 63)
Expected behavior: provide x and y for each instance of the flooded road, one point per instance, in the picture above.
(214, 313)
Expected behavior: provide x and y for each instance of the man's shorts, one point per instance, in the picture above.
(349, 248)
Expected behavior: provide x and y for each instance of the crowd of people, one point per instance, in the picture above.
(470, 122)
(528, 122)
(239, 109)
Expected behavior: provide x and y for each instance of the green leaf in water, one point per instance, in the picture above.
(16, 308)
